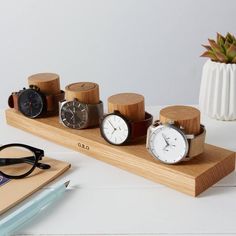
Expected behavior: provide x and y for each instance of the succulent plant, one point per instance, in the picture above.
(222, 50)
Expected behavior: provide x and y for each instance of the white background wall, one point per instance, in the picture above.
(147, 46)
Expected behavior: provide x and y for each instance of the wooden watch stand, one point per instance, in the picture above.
(130, 105)
(184, 116)
(192, 177)
(85, 92)
(48, 83)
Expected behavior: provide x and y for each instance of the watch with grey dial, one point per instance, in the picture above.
(169, 144)
(32, 103)
(78, 115)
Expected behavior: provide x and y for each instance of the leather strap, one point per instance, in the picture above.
(52, 101)
(13, 100)
(139, 128)
(95, 114)
(196, 144)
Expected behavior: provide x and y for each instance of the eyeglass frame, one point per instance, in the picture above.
(38, 154)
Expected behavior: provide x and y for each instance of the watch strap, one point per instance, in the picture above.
(95, 114)
(196, 144)
(139, 128)
(53, 101)
(13, 100)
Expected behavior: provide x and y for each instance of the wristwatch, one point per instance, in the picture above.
(116, 129)
(33, 103)
(77, 115)
(169, 144)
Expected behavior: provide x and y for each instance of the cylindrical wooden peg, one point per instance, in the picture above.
(131, 105)
(85, 92)
(48, 83)
(185, 116)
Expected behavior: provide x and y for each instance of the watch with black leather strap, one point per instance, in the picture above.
(169, 143)
(77, 115)
(33, 103)
(116, 129)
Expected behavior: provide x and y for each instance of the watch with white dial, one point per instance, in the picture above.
(116, 129)
(78, 115)
(169, 144)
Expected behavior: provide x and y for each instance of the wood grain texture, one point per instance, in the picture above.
(85, 92)
(185, 116)
(16, 191)
(191, 177)
(49, 83)
(131, 105)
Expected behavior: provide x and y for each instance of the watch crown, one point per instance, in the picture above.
(34, 87)
(171, 122)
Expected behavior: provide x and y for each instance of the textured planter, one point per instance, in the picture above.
(218, 90)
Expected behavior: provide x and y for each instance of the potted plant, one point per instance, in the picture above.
(218, 86)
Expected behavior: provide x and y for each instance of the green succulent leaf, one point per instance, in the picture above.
(229, 38)
(214, 46)
(231, 52)
(220, 39)
(226, 45)
(221, 57)
(206, 47)
(223, 49)
(234, 60)
(210, 54)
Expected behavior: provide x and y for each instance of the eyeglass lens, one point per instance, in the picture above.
(16, 161)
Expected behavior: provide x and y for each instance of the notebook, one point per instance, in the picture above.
(13, 191)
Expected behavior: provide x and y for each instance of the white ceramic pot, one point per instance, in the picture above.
(218, 90)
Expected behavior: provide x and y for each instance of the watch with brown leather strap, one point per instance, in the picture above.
(170, 144)
(116, 129)
(33, 103)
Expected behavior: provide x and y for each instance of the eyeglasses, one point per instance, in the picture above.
(19, 160)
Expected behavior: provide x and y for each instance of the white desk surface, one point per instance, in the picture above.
(103, 199)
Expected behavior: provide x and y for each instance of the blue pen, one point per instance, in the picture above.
(15, 220)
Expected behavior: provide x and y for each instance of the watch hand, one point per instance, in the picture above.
(30, 107)
(71, 111)
(112, 125)
(164, 149)
(167, 144)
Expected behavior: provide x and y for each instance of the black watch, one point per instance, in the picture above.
(33, 103)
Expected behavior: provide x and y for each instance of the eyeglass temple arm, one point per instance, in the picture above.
(30, 160)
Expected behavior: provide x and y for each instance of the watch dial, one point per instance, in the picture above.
(31, 103)
(74, 114)
(168, 144)
(115, 129)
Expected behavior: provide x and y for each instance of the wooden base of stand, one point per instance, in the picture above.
(192, 177)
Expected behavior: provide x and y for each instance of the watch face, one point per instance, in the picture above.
(31, 103)
(168, 144)
(115, 129)
(74, 114)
